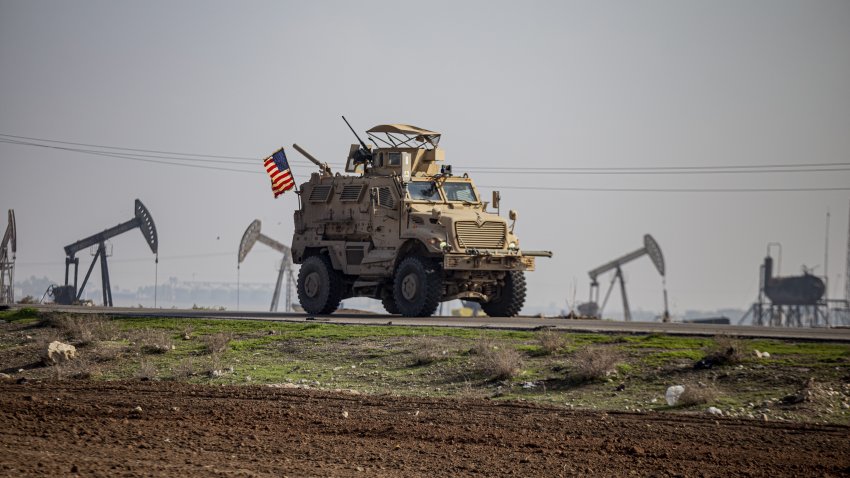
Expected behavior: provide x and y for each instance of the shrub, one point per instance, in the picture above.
(697, 395)
(725, 351)
(482, 346)
(427, 351)
(154, 341)
(147, 370)
(83, 329)
(499, 363)
(593, 363)
(186, 368)
(550, 341)
(216, 344)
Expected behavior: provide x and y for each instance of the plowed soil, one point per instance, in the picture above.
(91, 429)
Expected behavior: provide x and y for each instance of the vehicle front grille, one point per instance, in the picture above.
(491, 234)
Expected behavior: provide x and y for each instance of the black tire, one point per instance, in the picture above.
(417, 287)
(388, 301)
(320, 287)
(511, 297)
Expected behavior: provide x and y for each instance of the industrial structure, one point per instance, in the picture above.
(650, 248)
(792, 301)
(253, 235)
(8, 249)
(70, 294)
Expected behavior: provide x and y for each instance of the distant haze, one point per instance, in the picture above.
(513, 85)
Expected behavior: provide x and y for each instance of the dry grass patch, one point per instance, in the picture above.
(147, 370)
(498, 363)
(216, 344)
(725, 351)
(697, 395)
(84, 329)
(594, 363)
(79, 368)
(550, 341)
(153, 341)
(186, 368)
(427, 350)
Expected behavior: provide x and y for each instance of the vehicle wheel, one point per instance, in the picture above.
(511, 297)
(417, 287)
(389, 301)
(320, 287)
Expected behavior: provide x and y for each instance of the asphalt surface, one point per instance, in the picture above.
(515, 323)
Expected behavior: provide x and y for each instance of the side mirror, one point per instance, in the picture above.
(496, 197)
(512, 214)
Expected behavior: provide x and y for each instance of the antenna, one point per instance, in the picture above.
(253, 235)
(7, 261)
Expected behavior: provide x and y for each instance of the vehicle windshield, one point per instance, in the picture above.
(459, 192)
(423, 191)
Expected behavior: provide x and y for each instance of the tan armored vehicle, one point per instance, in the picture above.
(401, 228)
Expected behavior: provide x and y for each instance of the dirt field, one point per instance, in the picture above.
(91, 429)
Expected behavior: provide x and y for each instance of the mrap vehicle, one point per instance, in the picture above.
(401, 228)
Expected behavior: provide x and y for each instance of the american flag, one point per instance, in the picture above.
(278, 168)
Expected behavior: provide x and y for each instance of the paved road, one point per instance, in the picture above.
(520, 323)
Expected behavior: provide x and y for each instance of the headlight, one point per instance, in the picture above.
(512, 246)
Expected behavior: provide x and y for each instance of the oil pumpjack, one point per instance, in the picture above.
(8, 250)
(651, 249)
(69, 294)
(253, 235)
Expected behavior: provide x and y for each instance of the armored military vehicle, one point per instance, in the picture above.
(401, 228)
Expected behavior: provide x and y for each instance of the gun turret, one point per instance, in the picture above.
(326, 170)
(362, 155)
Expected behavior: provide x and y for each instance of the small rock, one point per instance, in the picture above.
(528, 385)
(58, 353)
(216, 373)
(248, 378)
(175, 409)
(673, 394)
(765, 355)
(138, 409)
(714, 411)
(4, 376)
(764, 417)
(344, 414)
(360, 468)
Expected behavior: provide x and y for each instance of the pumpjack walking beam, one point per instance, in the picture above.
(253, 235)
(7, 261)
(141, 220)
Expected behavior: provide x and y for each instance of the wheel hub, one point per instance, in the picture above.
(409, 286)
(311, 284)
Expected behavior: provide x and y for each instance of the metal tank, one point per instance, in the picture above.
(795, 290)
(402, 228)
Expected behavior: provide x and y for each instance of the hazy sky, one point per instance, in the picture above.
(511, 85)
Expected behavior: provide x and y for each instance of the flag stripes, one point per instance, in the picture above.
(278, 169)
